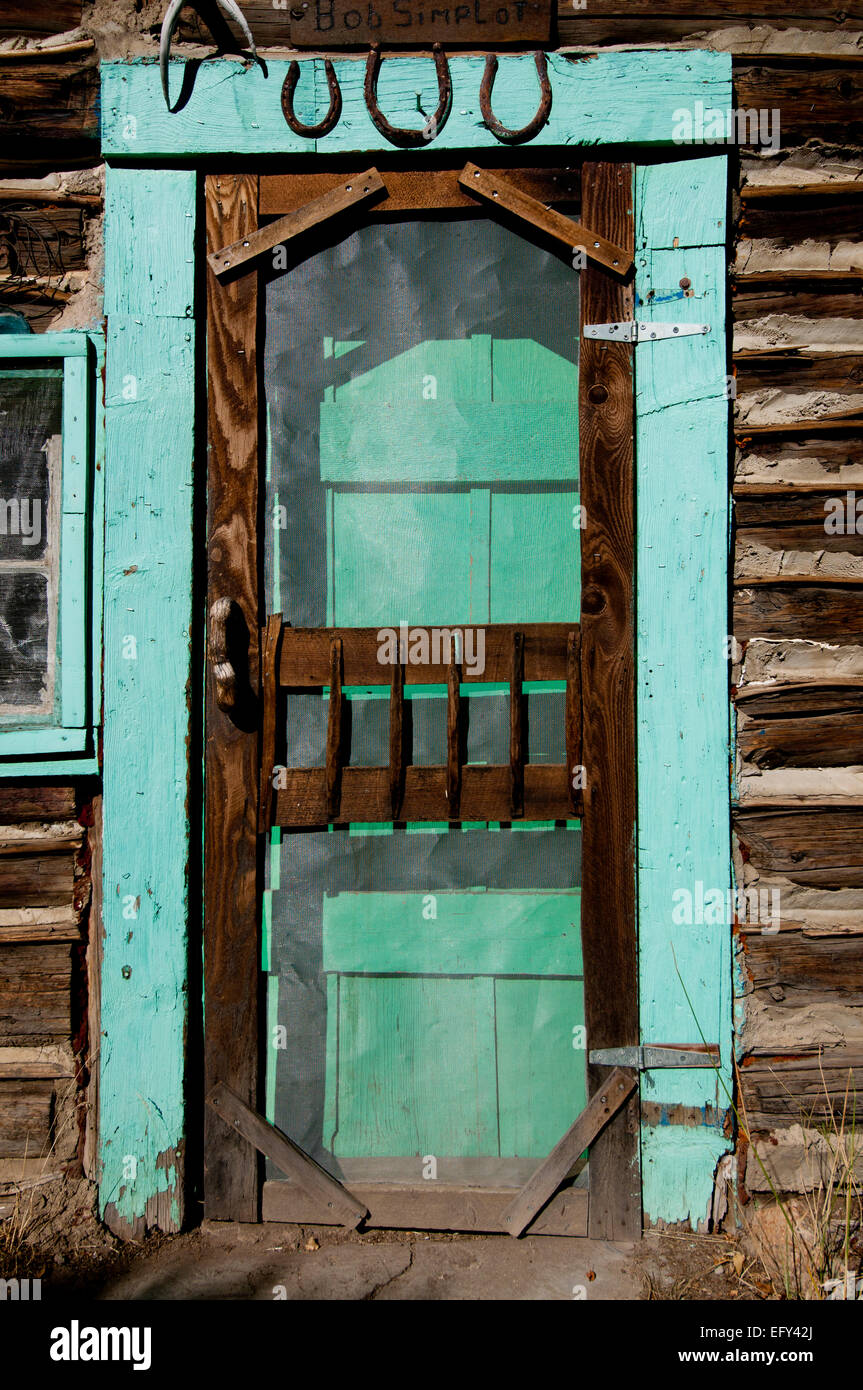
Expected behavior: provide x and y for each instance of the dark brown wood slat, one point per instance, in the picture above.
(24, 803)
(365, 795)
(831, 966)
(35, 990)
(825, 97)
(497, 192)
(798, 369)
(818, 845)
(350, 195)
(800, 218)
(603, 1106)
(573, 720)
(807, 610)
(328, 1195)
(18, 18)
(415, 190)
(25, 1118)
(51, 103)
(305, 656)
(269, 703)
(231, 978)
(807, 725)
(794, 505)
(516, 727)
(335, 731)
(607, 679)
(397, 740)
(37, 880)
(432, 1207)
(807, 539)
(453, 742)
(811, 299)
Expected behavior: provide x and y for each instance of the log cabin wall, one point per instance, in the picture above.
(796, 268)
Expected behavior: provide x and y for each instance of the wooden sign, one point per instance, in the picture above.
(417, 23)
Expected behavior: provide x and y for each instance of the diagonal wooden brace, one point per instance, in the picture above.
(335, 1200)
(355, 192)
(543, 1184)
(489, 187)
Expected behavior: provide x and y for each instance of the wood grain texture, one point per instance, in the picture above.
(497, 191)
(780, 1091)
(611, 98)
(811, 725)
(516, 727)
(149, 297)
(812, 610)
(817, 845)
(25, 1118)
(366, 795)
(682, 677)
(51, 104)
(18, 18)
(415, 190)
(35, 990)
(350, 196)
(305, 655)
(231, 979)
(608, 694)
(331, 1198)
(397, 740)
(29, 803)
(824, 96)
(433, 1207)
(453, 741)
(790, 964)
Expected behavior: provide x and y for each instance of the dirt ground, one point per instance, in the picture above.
(53, 1234)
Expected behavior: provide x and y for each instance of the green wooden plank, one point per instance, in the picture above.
(416, 1068)
(454, 933)
(72, 639)
(149, 230)
(450, 441)
(599, 98)
(70, 344)
(97, 530)
(30, 740)
(75, 431)
(150, 421)
(535, 557)
(401, 557)
(682, 677)
(86, 766)
(684, 209)
(541, 1076)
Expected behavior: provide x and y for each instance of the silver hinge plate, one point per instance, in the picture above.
(658, 1055)
(638, 332)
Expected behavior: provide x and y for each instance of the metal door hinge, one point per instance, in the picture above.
(655, 1055)
(637, 332)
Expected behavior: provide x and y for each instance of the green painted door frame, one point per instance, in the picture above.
(153, 261)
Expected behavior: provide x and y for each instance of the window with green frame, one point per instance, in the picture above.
(48, 586)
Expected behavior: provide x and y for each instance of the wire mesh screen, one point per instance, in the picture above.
(425, 1006)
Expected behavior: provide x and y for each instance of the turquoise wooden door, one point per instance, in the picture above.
(444, 1016)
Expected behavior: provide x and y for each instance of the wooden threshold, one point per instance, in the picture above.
(432, 1206)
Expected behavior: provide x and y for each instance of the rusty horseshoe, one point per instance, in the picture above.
(331, 119)
(533, 127)
(398, 135)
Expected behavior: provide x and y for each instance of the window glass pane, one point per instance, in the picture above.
(31, 400)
